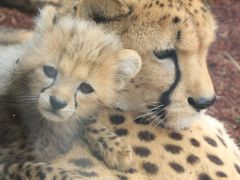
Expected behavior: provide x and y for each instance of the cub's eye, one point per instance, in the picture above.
(50, 72)
(170, 53)
(85, 88)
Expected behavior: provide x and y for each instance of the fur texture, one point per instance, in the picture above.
(65, 74)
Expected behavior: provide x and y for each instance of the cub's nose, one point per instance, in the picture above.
(56, 103)
(202, 103)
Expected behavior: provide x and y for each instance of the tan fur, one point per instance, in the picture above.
(80, 53)
(145, 31)
(156, 25)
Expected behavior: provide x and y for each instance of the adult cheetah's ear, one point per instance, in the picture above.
(102, 11)
(129, 64)
(46, 19)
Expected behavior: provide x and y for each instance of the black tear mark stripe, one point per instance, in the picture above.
(164, 100)
(75, 99)
(44, 89)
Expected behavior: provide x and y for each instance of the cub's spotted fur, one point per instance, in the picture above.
(204, 151)
(66, 74)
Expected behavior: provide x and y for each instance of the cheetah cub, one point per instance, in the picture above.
(68, 72)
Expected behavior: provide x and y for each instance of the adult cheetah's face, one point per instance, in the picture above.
(173, 38)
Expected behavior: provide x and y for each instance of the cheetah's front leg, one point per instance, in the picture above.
(106, 145)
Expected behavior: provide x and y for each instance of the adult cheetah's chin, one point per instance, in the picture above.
(180, 122)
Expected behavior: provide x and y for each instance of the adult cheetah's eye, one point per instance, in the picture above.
(169, 53)
(86, 88)
(50, 72)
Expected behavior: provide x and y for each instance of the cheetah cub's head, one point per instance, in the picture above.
(70, 68)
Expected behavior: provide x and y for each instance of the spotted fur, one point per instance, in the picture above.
(45, 111)
(203, 150)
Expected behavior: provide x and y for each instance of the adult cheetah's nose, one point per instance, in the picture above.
(56, 103)
(202, 103)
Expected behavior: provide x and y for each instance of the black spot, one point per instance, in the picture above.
(215, 159)
(17, 61)
(150, 6)
(150, 168)
(83, 162)
(174, 149)
(18, 177)
(49, 169)
(179, 35)
(194, 142)
(64, 177)
(6, 168)
(210, 141)
(117, 119)
(176, 136)
(87, 174)
(146, 136)
(20, 166)
(237, 167)
(192, 159)
(94, 131)
(121, 177)
(221, 174)
(97, 155)
(177, 167)
(204, 176)
(41, 175)
(131, 171)
(121, 132)
(141, 151)
(176, 20)
(222, 141)
(141, 121)
(22, 146)
(28, 173)
(30, 158)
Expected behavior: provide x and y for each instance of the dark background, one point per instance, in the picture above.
(223, 60)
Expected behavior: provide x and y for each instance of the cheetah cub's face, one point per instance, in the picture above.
(73, 67)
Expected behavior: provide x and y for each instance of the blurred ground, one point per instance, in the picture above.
(224, 59)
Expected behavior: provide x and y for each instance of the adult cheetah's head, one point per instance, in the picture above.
(173, 38)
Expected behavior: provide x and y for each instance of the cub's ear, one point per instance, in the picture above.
(46, 19)
(102, 11)
(129, 64)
